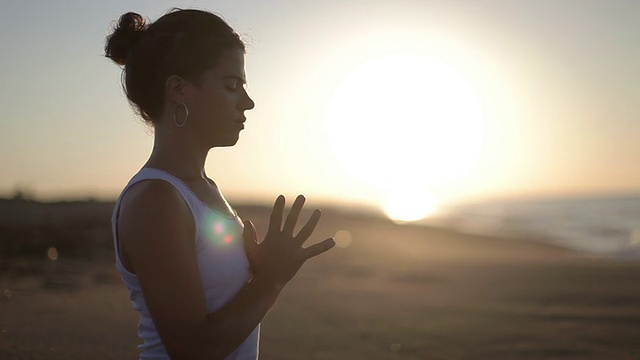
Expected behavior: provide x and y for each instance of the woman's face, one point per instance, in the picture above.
(217, 106)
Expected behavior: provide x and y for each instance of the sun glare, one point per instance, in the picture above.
(406, 205)
(406, 119)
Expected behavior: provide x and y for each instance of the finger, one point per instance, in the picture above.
(249, 237)
(319, 248)
(308, 228)
(292, 218)
(275, 221)
(254, 232)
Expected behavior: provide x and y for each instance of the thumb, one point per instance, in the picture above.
(249, 236)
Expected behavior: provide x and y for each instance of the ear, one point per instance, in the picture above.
(174, 88)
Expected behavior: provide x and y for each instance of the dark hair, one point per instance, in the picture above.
(182, 42)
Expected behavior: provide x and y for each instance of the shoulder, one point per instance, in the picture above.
(150, 209)
(153, 194)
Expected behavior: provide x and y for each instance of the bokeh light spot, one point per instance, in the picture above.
(228, 239)
(7, 293)
(634, 238)
(52, 253)
(343, 238)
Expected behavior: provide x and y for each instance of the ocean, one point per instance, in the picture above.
(607, 226)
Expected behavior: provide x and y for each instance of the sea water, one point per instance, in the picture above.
(600, 225)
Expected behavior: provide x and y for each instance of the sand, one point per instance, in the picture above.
(396, 292)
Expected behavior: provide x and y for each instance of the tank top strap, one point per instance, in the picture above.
(147, 173)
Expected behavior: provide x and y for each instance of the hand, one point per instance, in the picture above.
(280, 255)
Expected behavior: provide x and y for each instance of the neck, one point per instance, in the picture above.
(173, 153)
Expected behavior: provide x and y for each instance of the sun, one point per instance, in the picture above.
(405, 205)
(409, 121)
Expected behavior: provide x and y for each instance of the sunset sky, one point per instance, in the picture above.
(544, 99)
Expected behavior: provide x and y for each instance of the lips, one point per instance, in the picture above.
(240, 123)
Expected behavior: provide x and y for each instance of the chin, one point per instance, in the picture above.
(226, 142)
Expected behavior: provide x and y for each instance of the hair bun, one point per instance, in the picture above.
(127, 34)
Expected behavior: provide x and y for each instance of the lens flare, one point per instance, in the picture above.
(217, 228)
(221, 230)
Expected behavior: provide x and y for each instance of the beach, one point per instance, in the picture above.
(387, 291)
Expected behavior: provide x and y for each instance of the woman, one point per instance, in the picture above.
(194, 271)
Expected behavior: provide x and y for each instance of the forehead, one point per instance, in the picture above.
(230, 63)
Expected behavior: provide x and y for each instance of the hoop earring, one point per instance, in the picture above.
(186, 115)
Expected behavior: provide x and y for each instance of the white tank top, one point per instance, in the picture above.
(222, 262)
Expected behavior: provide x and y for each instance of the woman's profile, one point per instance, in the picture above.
(197, 274)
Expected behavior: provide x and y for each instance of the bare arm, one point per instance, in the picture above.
(156, 233)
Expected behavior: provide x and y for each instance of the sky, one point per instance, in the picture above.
(554, 88)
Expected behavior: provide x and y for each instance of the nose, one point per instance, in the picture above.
(247, 103)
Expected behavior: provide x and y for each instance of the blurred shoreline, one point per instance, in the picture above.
(599, 225)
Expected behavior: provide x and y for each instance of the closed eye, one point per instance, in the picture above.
(233, 83)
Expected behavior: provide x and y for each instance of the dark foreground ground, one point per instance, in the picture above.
(395, 292)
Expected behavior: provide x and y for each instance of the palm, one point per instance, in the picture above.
(280, 255)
